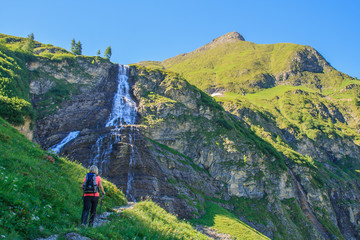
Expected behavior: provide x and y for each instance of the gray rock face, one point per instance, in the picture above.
(306, 60)
(225, 39)
(87, 110)
(229, 37)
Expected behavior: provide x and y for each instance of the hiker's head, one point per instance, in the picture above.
(94, 169)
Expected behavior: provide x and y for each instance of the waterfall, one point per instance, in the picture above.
(129, 188)
(56, 148)
(123, 113)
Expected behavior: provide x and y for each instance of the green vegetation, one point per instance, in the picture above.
(107, 53)
(225, 222)
(76, 47)
(52, 99)
(30, 43)
(145, 221)
(297, 216)
(317, 116)
(259, 211)
(151, 64)
(40, 193)
(188, 160)
(246, 67)
(14, 86)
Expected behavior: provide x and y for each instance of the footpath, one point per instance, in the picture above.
(103, 219)
(99, 220)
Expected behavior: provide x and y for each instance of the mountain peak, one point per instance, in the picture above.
(226, 38)
(229, 37)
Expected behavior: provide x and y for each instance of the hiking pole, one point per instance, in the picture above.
(101, 204)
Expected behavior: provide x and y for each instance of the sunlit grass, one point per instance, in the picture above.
(145, 221)
(40, 193)
(225, 222)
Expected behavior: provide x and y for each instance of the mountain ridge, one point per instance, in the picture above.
(251, 66)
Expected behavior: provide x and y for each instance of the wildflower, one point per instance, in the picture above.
(34, 218)
(3, 236)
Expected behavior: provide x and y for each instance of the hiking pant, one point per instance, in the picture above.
(89, 202)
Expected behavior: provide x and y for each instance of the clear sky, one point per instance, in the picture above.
(141, 30)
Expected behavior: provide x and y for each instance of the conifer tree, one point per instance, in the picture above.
(108, 52)
(78, 48)
(73, 46)
(98, 53)
(30, 43)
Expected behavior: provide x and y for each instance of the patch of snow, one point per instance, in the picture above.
(217, 94)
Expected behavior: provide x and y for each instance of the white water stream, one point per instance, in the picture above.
(123, 113)
(56, 148)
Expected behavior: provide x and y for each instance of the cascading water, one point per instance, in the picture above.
(123, 113)
(56, 148)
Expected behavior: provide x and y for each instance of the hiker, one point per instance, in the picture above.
(91, 185)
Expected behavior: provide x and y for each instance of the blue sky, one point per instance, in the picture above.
(141, 30)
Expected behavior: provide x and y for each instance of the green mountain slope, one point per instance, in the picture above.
(221, 219)
(232, 64)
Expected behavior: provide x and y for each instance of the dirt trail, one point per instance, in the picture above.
(213, 234)
(99, 220)
(102, 219)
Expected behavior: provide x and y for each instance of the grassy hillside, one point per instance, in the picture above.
(246, 67)
(41, 195)
(318, 115)
(221, 219)
(233, 65)
(145, 221)
(14, 86)
(40, 192)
